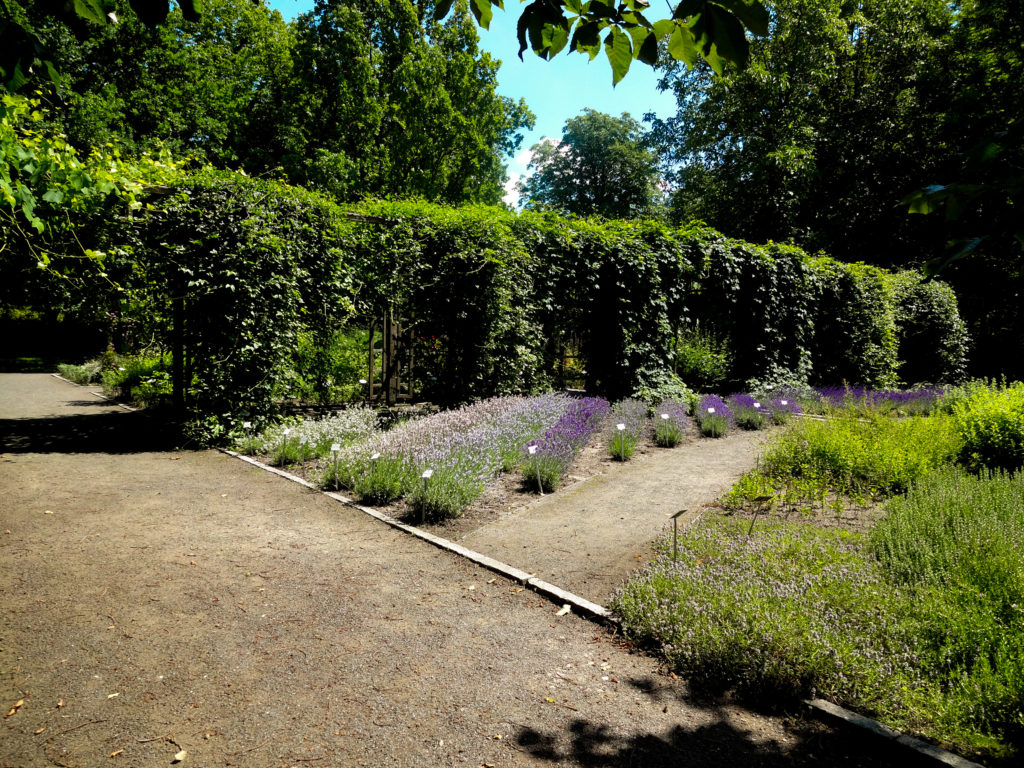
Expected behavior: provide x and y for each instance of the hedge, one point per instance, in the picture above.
(498, 295)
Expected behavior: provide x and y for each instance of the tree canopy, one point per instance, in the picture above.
(601, 167)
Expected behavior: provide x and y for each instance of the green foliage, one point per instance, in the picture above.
(794, 610)
(712, 424)
(716, 33)
(855, 333)
(143, 378)
(952, 528)
(600, 167)
(703, 358)
(932, 338)
(990, 424)
(84, 374)
(856, 457)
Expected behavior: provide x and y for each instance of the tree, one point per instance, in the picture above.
(388, 102)
(838, 115)
(600, 167)
(208, 89)
(712, 30)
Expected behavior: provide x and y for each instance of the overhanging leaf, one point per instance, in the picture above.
(482, 12)
(619, 52)
(91, 10)
(682, 47)
(753, 15)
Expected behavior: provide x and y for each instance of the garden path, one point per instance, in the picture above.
(156, 602)
(588, 537)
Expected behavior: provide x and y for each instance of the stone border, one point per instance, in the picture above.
(819, 707)
(100, 395)
(581, 604)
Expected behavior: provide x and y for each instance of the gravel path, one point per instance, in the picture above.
(587, 538)
(156, 602)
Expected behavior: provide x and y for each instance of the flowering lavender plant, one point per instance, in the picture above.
(628, 420)
(559, 445)
(748, 412)
(713, 416)
(872, 401)
(465, 449)
(782, 407)
(670, 422)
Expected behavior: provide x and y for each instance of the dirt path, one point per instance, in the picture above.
(589, 537)
(156, 601)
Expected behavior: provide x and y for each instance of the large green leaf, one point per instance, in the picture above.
(482, 12)
(682, 47)
(92, 10)
(619, 52)
(587, 38)
(753, 15)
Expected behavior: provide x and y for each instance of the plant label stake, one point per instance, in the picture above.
(427, 474)
(532, 450)
(335, 449)
(675, 533)
(247, 426)
(622, 446)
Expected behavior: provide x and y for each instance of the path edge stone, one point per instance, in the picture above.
(824, 710)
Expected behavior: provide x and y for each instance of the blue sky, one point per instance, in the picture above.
(554, 90)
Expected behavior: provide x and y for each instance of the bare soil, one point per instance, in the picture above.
(158, 602)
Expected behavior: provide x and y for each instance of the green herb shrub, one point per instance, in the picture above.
(670, 423)
(990, 424)
(958, 541)
(84, 374)
(856, 457)
(791, 611)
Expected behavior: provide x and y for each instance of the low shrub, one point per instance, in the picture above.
(713, 416)
(670, 423)
(990, 424)
(747, 412)
(557, 448)
(628, 419)
(84, 374)
(854, 456)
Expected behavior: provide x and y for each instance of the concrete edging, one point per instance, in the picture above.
(580, 604)
(100, 395)
(820, 708)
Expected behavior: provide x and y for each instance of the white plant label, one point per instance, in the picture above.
(664, 416)
(531, 450)
(427, 474)
(287, 431)
(246, 425)
(620, 427)
(757, 405)
(784, 402)
(335, 447)
(711, 410)
(375, 457)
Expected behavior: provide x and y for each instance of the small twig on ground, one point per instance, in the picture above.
(250, 749)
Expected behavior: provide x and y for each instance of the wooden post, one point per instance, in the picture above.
(178, 349)
(390, 360)
(371, 357)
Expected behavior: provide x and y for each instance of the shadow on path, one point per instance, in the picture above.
(117, 432)
(720, 743)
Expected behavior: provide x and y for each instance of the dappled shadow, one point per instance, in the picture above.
(107, 432)
(720, 743)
